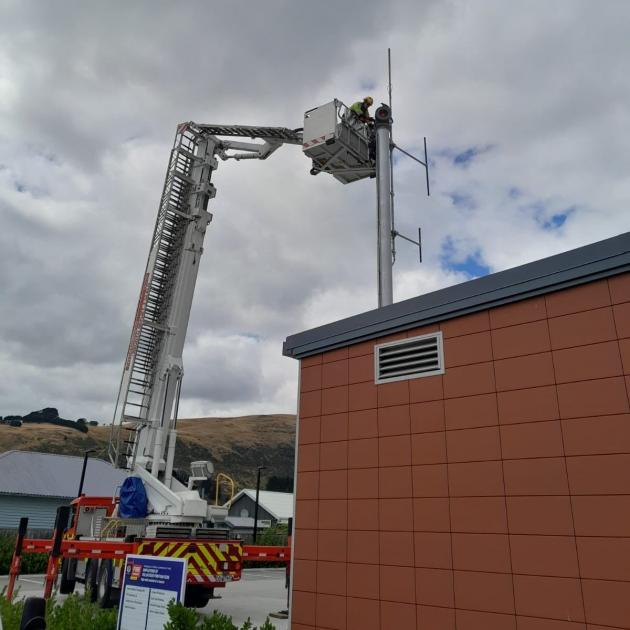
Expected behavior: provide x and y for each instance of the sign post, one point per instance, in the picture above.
(149, 585)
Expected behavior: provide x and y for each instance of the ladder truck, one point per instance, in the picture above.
(179, 520)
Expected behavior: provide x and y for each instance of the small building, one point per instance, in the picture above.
(36, 484)
(463, 457)
(274, 507)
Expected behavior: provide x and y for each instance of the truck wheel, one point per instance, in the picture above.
(106, 595)
(66, 582)
(197, 596)
(91, 580)
(33, 614)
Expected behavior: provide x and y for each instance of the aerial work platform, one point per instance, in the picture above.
(337, 142)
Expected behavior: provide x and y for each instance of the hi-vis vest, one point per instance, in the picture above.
(357, 108)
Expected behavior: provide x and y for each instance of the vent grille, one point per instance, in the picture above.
(409, 358)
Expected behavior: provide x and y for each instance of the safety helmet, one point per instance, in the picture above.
(368, 100)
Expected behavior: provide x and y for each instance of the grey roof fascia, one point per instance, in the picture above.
(585, 264)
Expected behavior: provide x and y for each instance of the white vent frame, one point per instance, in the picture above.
(401, 342)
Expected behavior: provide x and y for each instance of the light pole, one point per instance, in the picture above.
(85, 460)
(256, 504)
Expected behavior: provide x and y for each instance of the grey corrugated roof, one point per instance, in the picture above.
(278, 504)
(578, 266)
(50, 475)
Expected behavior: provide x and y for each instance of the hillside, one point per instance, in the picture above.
(236, 446)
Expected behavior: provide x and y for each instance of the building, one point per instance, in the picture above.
(477, 474)
(36, 484)
(273, 507)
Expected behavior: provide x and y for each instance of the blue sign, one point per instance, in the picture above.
(149, 585)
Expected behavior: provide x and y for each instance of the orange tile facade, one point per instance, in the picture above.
(494, 497)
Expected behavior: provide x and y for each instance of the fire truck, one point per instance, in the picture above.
(94, 534)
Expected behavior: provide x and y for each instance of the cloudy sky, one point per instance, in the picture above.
(526, 110)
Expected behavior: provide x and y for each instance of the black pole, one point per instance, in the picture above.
(85, 460)
(256, 504)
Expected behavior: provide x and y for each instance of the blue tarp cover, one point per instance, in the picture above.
(133, 499)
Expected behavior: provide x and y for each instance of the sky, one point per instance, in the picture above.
(525, 105)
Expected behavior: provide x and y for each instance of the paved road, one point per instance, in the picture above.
(260, 592)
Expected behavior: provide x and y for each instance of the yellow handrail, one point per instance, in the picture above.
(228, 479)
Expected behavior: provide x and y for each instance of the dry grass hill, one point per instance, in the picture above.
(236, 446)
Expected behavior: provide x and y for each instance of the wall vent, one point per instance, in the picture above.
(409, 358)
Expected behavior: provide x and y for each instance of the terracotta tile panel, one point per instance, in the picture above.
(332, 545)
(430, 617)
(540, 515)
(359, 349)
(362, 547)
(394, 451)
(434, 587)
(396, 393)
(395, 514)
(333, 484)
(335, 355)
(430, 481)
(582, 328)
(398, 615)
(607, 603)
(583, 363)
(432, 550)
(554, 556)
(620, 288)
(333, 513)
(599, 474)
(428, 448)
(335, 400)
(426, 389)
(362, 424)
(331, 577)
(393, 420)
(528, 405)
(429, 416)
(309, 430)
(473, 445)
(397, 584)
(582, 298)
(394, 482)
(534, 439)
(475, 479)
(301, 626)
(467, 325)
(473, 620)
(478, 515)
(624, 349)
(604, 558)
(335, 374)
(305, 543)
(361, 369)
(311, 378)
(533, 623)
(362, 396)
(516, 341)
(600, 435)
(310, 404)
(469, 380)
(333, 455)
(303, 607)
(602, 516)
(308, 457)
(331, 611)
(468, 349)
(306, 512)
(529, 477)
(486, 592)
(363, 580)
(535, 370)
(316, 359)
(422, 330)
(548, 597)
(363, 483)
(471, 411)
(518, 313)
(363, 614)
(334, 427)
(481, 552)
(591, 398)
(308, 485)
(363, 514)
(396, 548)
(363, 453)
(304, 575)
(431, 515)
(622, 319)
